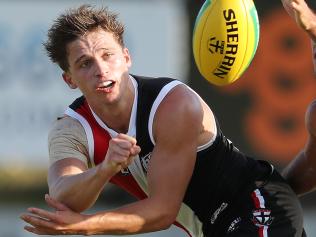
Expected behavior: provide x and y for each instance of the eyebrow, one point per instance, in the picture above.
(78, 59)
(81, 57)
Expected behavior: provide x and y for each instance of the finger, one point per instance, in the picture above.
(288, 7)
(120, 148)
(126, 159)
(40, 213)
(135, 150)
(38, 222)
(295, 6)
(40, 231)
(32, 230)
(122, 143)
(299, 5)
(124, 148)
(127, 137)
(55, 204)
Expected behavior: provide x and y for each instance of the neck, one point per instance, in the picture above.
(117, 115)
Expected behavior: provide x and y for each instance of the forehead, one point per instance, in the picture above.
(91, 43)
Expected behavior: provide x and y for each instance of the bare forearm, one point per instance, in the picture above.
(80, 191)
(139, 217)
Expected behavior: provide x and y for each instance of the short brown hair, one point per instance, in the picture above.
(75, 23)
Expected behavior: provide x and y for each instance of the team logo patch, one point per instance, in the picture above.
(145, 161)
(262, 217)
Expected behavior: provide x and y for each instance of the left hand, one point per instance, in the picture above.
(62, 221)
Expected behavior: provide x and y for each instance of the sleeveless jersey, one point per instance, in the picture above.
(220, 174)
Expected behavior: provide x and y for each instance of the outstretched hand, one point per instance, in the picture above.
(303, 15)
(62, 221)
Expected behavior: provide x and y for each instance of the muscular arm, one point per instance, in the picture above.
(301, 172)
(71, 183)
(177, 126)
(69, 179)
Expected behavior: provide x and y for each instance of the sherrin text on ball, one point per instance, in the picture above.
(225, 39)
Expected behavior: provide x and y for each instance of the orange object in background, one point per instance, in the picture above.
(281, 84)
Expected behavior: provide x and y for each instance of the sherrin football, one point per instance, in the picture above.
(225, 39)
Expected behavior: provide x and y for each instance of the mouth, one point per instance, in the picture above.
(106, 86)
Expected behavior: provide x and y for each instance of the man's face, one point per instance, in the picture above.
(98, 66)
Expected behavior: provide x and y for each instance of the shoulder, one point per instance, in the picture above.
(180, 108)
(183, 99)
(67, 128)
(66, 124)
(67, 138)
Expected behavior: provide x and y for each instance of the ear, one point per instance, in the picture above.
(127, 57)
(67, 78)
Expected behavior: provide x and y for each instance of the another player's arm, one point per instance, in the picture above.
(305, 18)
(301, 172)
(177, 125)
(69, 179)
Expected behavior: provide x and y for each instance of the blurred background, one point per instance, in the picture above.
(262, 113)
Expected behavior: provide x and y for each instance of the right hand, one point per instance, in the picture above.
(303, 15)
(121, 152)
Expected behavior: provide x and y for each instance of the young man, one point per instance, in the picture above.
(301, 172)
(154, 137)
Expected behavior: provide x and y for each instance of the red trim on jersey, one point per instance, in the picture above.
(129, 184)
(260, 231)
(101, 139)
(182, 227)
(259, 205)
(100, 135)
(255, 200)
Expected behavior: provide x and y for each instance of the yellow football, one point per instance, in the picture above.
(225, 39)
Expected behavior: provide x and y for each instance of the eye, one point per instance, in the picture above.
(107, 55)
(85, 63)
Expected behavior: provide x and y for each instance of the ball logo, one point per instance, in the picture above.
(231, 44)
(216, 46)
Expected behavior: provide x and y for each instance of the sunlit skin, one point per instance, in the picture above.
(98, 66)
(303, 15)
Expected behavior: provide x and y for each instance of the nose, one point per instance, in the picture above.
(101, 68)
